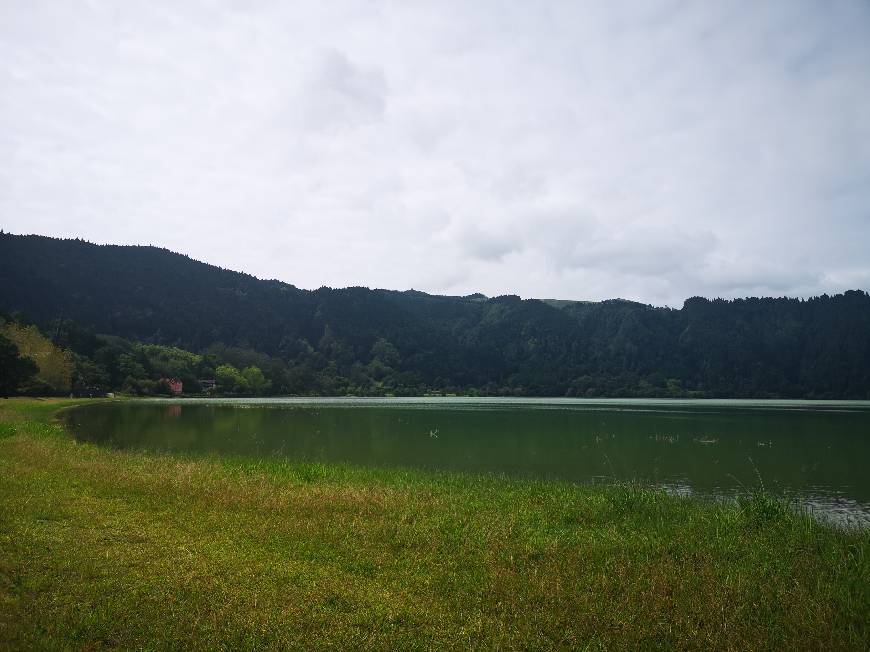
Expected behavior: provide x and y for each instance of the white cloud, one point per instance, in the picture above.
(650, 150)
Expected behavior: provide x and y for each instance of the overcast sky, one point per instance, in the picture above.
(650, 150)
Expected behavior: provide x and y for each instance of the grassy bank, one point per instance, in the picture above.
(103, 549)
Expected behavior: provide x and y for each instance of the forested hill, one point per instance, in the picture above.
(356, 340)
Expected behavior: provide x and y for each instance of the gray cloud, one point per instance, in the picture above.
(650, 150)
(339, 93)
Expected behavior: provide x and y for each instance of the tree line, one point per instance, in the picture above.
(155, 313)
(69, 359)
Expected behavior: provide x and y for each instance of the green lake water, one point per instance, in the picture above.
(815, 453)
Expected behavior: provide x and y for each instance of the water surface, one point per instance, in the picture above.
(811, 451)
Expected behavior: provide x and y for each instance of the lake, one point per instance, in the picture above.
(812, 452)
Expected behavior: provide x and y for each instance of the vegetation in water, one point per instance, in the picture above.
(103, 548)
(377, 342)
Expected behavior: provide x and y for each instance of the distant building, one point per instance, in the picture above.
(207, 384)
(175, 385)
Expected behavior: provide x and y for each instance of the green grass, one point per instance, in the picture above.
(112, 549)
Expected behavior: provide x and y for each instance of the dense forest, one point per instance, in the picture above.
(126, 318)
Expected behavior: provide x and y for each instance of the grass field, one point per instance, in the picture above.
(110, 549)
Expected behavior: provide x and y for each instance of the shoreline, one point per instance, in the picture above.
(102, 548)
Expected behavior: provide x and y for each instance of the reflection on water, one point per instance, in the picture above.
(814, 453)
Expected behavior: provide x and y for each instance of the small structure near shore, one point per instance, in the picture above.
(89, 391)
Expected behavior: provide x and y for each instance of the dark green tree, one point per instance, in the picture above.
(15, 370)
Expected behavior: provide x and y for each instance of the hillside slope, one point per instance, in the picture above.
(747, 347)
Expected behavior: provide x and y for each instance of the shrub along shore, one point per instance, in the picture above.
(115, 549)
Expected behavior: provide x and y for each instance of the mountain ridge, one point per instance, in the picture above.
(753, 347)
